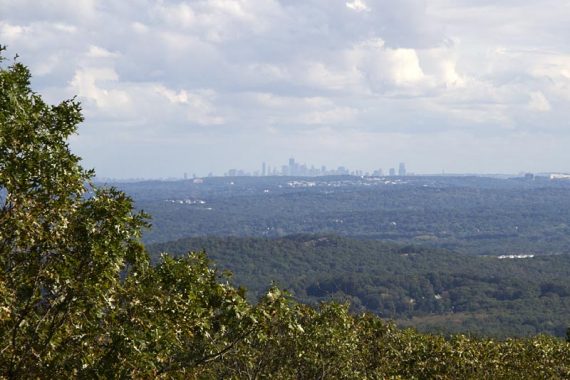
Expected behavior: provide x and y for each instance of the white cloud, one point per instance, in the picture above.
(180, 97)
(139, 27)
(90, 84)
(66, 28)
(405, 66)
(12, 32)
(178, 15)
(358, 6)
(334, 115)
(198, 106)
(538, 102)
(306, 111)
(115, 101)
(99, 52)
(329, 77)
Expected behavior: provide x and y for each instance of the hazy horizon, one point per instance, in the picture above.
(192, 176)
(173, 87)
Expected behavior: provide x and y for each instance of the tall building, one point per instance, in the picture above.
(263, 170)
(292, 168)
(392, 172)
(402, 169)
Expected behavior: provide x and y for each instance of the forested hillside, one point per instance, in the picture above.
(432, 289)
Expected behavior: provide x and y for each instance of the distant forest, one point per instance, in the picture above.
(484, 216)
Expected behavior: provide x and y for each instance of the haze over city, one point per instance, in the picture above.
(173, 87)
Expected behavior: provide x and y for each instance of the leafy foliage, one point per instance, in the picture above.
(79, 298)
(63, 245)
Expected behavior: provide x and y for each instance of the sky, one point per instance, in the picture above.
(174, 87)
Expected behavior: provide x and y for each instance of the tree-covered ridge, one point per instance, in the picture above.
(439, 290)
(79, 298)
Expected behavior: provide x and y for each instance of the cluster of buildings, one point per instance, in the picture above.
(296, 169)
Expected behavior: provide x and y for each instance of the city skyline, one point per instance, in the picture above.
(294, 168)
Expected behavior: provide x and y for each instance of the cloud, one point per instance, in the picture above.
(99, 52)
(358, 6)
(538, 102)
(198, 107)
(87, 84)
(312, 75)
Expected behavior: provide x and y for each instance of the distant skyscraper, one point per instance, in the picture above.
(292, 167)
(402, 169)
(185, 175)
(392, 172)
(263, 169)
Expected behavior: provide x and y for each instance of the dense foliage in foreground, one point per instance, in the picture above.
(432, 289)
(79, 298)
